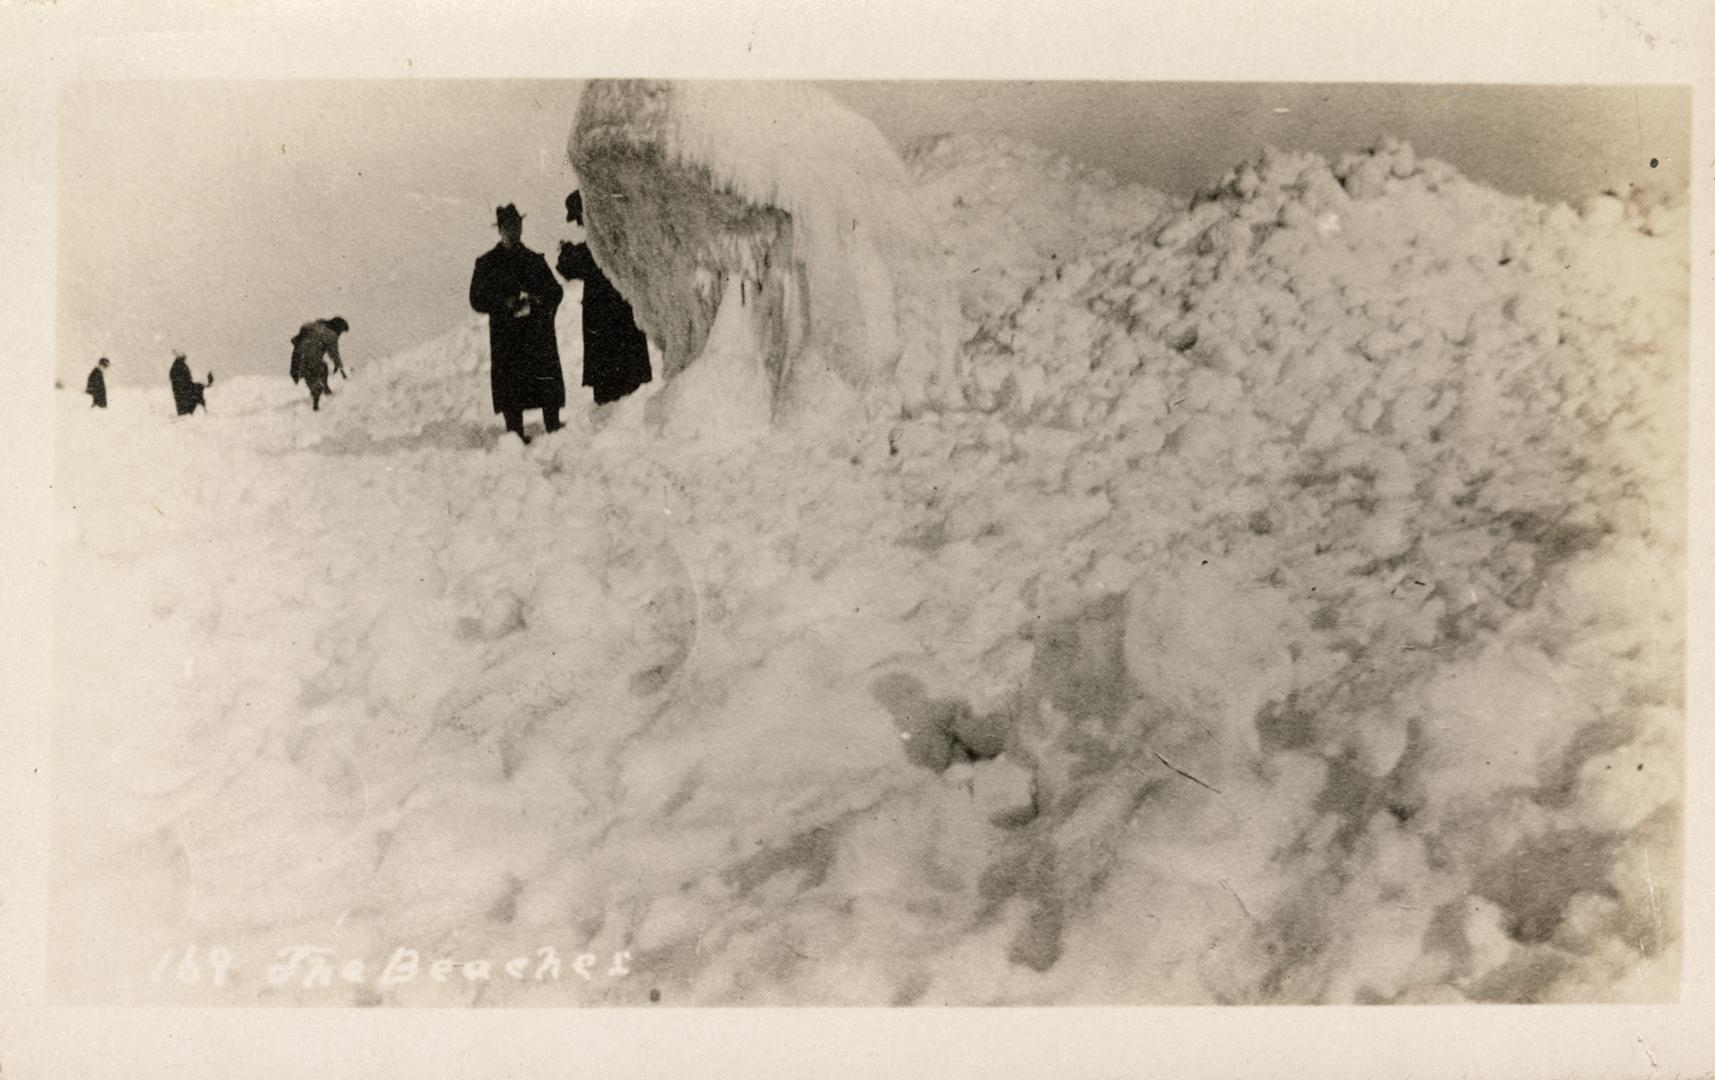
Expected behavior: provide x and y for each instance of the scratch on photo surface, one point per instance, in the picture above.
(1237, 899)
(1185, 774)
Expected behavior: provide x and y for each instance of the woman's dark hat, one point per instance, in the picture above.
(507, 215)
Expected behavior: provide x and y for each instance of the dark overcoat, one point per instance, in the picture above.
(524, 367)
(187, 392)
(616, 353)
(96, 387)
(311, 346)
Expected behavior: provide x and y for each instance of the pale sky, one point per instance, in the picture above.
(215, 217)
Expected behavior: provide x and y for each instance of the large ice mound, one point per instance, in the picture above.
(784, 191)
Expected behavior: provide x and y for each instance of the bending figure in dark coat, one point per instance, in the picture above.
(96, 387)
(187, 392)
(513, 286)
(313, 346)
(616, 354)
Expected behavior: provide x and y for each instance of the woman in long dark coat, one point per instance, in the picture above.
(513, 286)
(616, 354)
(96, 387)
(187, 392)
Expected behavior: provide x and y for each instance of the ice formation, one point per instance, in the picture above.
(1283, 604)
(800, 202)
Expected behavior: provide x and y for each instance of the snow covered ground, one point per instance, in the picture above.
(1290, 613)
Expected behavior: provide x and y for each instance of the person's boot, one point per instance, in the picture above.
(551, 420)
(515, 424)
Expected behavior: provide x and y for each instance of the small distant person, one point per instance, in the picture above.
(187, 392)
(616, 354)
(313, 346)
(96, 387)
(513, 286)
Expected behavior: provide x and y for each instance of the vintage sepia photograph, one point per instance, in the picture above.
(650, 542)
(879, 538)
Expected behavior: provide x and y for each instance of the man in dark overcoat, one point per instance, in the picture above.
(187, 392)
(513, 286)
(96, 387)
(616, 354)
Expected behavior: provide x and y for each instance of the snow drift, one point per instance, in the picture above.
(1283, 605)
(782, 192)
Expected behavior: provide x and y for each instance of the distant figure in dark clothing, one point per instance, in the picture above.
(616, 354)
(96, 387)
(513, 286)
(187, 393)
(313, 346)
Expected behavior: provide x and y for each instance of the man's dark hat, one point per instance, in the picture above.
(339, 324)
(507, 214)
(575, 206)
